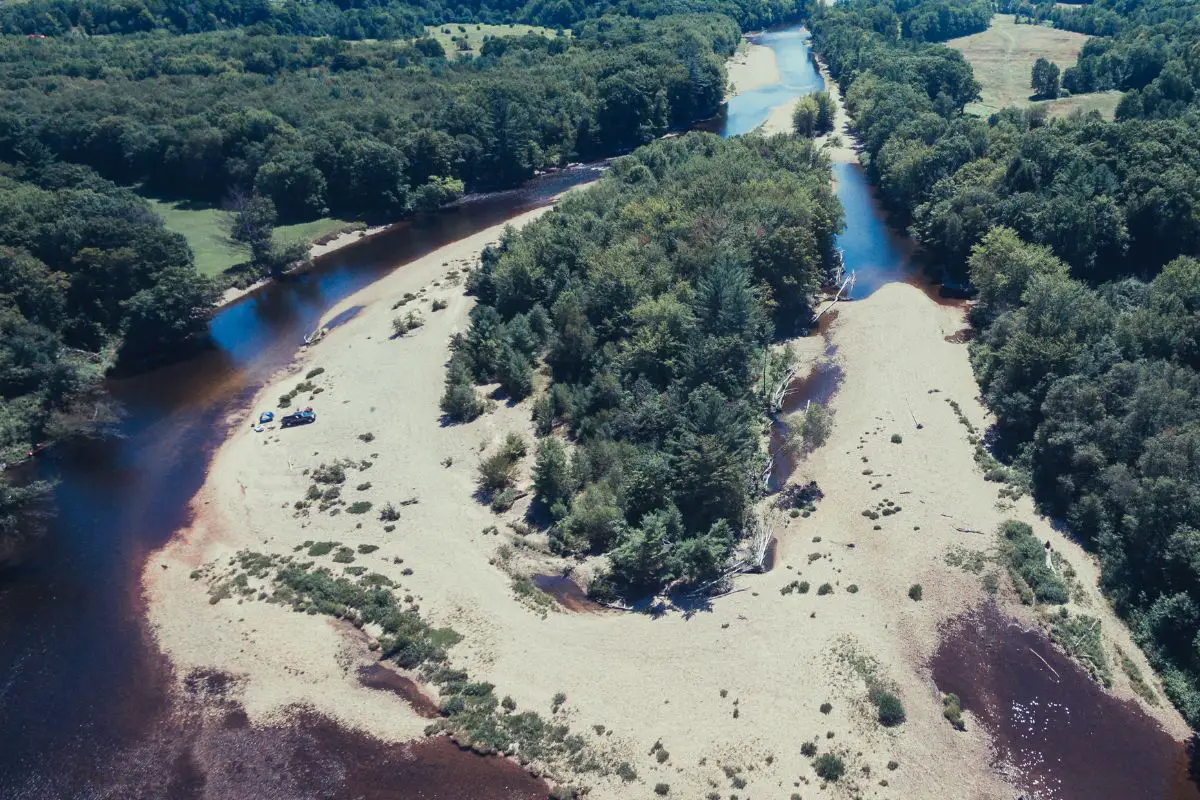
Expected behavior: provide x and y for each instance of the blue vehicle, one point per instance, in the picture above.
(266, 417)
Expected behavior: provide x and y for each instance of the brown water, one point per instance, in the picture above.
(569, 594)
(379, 676)
(1065, 737)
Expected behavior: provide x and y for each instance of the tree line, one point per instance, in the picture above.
(1080, 236)
(348, 19)
(636, 316)
(369, 131)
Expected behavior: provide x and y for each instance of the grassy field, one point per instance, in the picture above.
(474, 34)
(1002, 58)
(212, 249)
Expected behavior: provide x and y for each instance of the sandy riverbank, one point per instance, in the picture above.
(752, 67)
(644, 679)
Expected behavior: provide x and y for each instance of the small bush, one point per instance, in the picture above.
(803, 587)
(366, 549)
(409, 322)
(321, 549)
(389, 513)
(344, 555)
(915, 592)
(852, 588)
(826, 708)
(952, 711)
(829, 767)
(897, 438)
(314, 372)
(359, 507)
(891, 710)
(661, 788)
(362, 487)
(626, 772)
(662, 756)
(438, 305)
(808, 749)
(825, 589)
(367, 437)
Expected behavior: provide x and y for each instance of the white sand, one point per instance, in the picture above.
(752, 67)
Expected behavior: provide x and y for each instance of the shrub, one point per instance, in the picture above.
(661, 788)
(409, 322)
(1026, 559)
(359, 507)
(438, 305)
(824, 589)
(891, 710)
(497, 472)
(808, 749)
(333, 473)
(952, 711)
(362, 487)
(829, 767)
(626, 772)
(803, 587)
(826, 708)
(897, 438)
(662, 755)
(344, 555)
(852, 588)
(367, 437)
(915, 592)
(314, 372)
(366, 549)
(389, 513)
(321, 549)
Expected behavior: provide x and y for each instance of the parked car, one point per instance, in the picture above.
(305, 417)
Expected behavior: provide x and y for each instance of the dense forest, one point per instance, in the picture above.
(348, 19)
(1080, 236)
(371, 130)
(651, 299)
(268, 105)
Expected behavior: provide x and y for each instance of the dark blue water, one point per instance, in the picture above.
(799, 76)
(870, 247)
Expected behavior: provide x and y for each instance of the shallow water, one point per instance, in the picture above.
(799, 76)
(1065, 737)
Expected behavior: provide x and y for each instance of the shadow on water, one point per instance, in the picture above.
(71, 609)
(817, 386)
(1066, 738)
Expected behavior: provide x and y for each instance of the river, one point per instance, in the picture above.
(84, 703)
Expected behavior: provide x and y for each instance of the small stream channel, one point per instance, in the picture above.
(85, 709)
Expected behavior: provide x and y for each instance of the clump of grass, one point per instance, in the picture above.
(661, 789)
(314, 372)
(826, 708)
(389, 513)
(829, 767)
(952, 711)
(321, 548)
(808, 749)
(367, 437)
(362, 487)
(498, 471)
(891, 710)
(367, 549)
(329, 473)
(825, 589)
(916, 592)
(1136, 681)
(1026, 558)
(852, 588)
(344, 555)
(626, 772)
(359, 507)
(897, 438)
(407, 323)
(438, 305)
(1080, 636)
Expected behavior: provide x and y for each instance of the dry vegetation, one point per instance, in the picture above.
(1002, 58)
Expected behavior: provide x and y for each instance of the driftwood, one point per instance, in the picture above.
(968, 530)
(1047, 663)
(847, 284)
